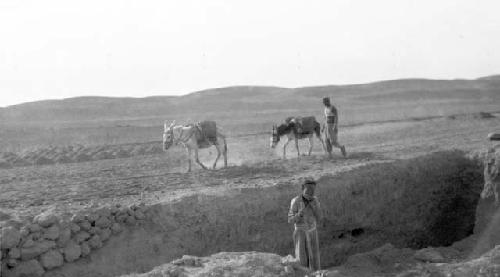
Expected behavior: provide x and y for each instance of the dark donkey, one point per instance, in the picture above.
(296, 128)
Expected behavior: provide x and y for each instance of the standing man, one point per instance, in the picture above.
(492, 170)
(331, 134)
(305, 212)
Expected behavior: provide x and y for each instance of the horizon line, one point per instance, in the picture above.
(242, 86)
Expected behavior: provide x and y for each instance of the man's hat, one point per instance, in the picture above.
(326, 100)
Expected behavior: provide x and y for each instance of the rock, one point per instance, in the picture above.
(129, 211)
(12, 262)
(14, 253)
(77, 218)
(94, 230)
(52, 233)
(72, 252)
(121, 218)
(104, 212)
(363, 260)
(34, 228)
(38, 249)
(81, 236)
(64, 223)
(24, 231)
(46, 219)
(36, 236)
(188, 260)
(229, 264)
(85, 249)
(105, 234)
(30, 253)
(114, 210)
(429, 255)
(103, 222)
(64, 237)
(139, 215)
(51, 259)
(116, 228)
(31, 268)
(28, 243)
(9, 237)
(131, 220)
(75, 228)
(122, 212)
(85, 225)
(95, 242)
(92, 217)
(149, 215)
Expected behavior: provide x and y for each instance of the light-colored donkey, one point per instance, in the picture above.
(186, 135)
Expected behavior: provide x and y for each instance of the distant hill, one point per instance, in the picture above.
(251, 100)
(492, 77)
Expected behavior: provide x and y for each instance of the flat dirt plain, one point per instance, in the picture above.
(26, 190)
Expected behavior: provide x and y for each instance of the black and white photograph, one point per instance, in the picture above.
(230, 138)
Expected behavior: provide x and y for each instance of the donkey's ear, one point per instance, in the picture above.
(165, 126)
(172, 124)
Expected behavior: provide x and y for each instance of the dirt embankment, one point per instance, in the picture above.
(425, 201)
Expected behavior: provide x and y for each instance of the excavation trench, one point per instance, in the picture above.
(425, 201)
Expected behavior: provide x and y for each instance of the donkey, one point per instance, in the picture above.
(186, 135)
(293, 131)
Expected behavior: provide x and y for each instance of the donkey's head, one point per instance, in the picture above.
(275, 138)
(168, 135)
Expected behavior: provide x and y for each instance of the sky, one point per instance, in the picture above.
(55, 49)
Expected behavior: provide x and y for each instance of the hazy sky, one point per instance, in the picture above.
(61, 48)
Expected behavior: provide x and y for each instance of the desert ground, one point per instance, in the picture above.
(66, 167)
(27, 189)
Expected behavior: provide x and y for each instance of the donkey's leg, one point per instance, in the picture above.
(224, 152)
(217, 147)
(198, 160)
(188, 151)
(284, 147)
(297, 147)
(311, 144)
